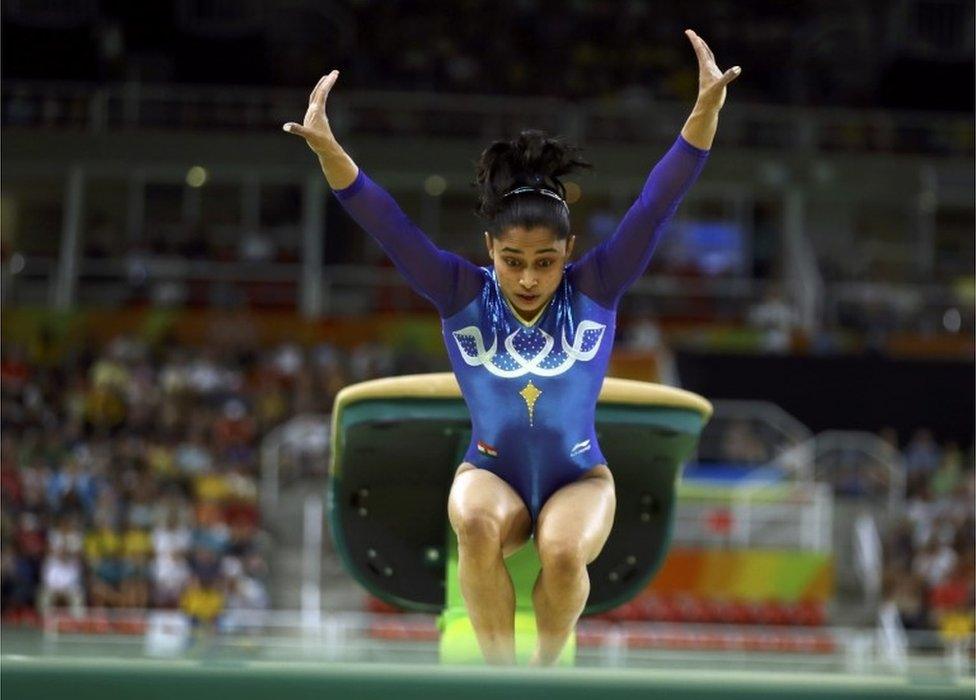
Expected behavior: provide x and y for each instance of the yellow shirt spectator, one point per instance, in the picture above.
(201, 602)
(956, 626)
(103, 542)
(212, 487)
(136, 542)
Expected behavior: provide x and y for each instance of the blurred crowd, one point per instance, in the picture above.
(810, 53)
(128, 476)
(930, 564)
(128, 482)
(129, 471)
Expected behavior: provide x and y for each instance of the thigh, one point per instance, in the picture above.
(479, 493)
(579, 516)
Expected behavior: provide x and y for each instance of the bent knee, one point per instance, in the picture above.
(478, 528)
(562, 557)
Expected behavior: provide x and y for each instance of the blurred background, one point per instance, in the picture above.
(182, 298)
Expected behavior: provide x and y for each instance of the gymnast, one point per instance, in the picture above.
(529, 339)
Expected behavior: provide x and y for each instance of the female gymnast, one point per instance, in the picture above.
(529, 339)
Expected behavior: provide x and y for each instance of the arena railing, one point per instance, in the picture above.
(831, 450)
(781, 434)
(101, 108)
(345, 289)
(940, 307)
(796, 516)
(346, 636)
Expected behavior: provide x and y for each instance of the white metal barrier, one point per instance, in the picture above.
(833, 454)
(286, 448)
(784, 439)
(796, 516)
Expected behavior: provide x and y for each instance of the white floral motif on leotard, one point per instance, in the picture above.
(517, 362)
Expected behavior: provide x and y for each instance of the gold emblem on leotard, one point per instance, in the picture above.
(531, 394)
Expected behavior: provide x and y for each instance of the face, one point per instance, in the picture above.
(529, 265)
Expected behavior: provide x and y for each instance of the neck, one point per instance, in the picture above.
(527, 317)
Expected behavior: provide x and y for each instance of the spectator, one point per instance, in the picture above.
(740, 444)
(20, 579)
(233, 429)
(922, 455)
(775, 318)
(202, 601)
(205, 564)
(946, 479)
(61, 581)
(30, 541)
(246, 598)
(170, 574)
(171, 538)
(935, 562)
(67, 537)
(103, 554)
(105, 581)
(907, 592)
(134, 590)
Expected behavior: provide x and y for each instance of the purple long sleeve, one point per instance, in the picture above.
(606, 271)
(446, 279)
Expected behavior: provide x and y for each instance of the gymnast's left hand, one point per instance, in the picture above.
(711, 81)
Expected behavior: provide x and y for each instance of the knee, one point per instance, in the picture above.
(478, 532)
(562, 558)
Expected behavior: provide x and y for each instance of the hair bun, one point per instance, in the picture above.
(532, 159)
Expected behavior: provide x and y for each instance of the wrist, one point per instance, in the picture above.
(330, 154)
(705, 107)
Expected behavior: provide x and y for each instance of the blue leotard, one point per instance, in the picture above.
(531, 389)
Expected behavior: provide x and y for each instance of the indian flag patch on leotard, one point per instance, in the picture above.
(486, 449)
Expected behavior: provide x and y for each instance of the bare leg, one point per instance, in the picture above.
(573, 527)
(491, 521)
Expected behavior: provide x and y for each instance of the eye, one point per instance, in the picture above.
(545, 263)
(512, 262)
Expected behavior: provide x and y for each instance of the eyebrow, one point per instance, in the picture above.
(541, 250)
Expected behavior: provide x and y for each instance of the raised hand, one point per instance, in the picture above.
(315, 128)
(711, 81)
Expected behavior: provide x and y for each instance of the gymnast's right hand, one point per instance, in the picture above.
(315, 129)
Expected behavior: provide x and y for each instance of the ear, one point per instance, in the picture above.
(569, 245)
(490, 245)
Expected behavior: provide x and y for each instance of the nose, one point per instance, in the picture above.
(528, 282)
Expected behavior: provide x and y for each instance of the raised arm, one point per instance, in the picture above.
(444, 278)
(606, 272)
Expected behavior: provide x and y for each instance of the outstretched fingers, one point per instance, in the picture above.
(321, 91)
(704, 53)
(311, 95)
(315, 114)
(706, 61)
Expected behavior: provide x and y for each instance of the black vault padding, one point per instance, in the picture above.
(394, 460)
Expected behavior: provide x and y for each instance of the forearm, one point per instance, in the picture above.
(339, 169)
(442, 277)
(610, 268)
(699, 129)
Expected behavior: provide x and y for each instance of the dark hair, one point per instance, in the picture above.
(531, 160)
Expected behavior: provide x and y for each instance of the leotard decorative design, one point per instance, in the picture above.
(531, 388)
(584, 347)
